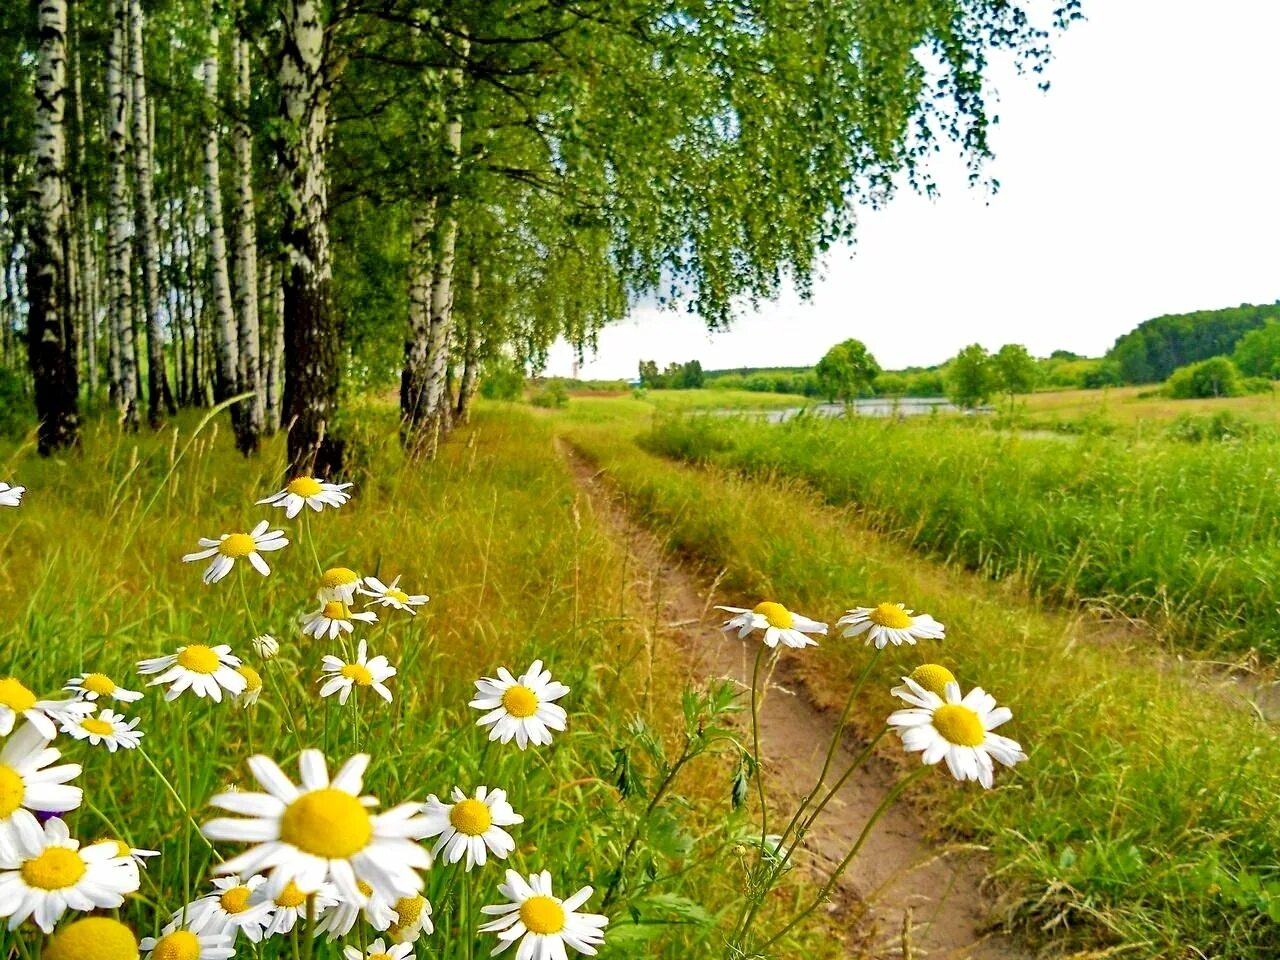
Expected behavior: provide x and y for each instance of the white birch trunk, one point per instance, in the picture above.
(414, 376)
(226, 339)
(246, 258)
(120, 226)
(145, 216)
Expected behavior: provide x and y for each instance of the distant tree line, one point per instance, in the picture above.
(676, 376)
(1152, 351)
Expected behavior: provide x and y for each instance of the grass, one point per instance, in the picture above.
(711, 398)
(1141, 826)
(1181, 534)
(92, 580)
(1135, 409)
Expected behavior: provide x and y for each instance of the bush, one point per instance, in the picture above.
(1215, 377)
(17, 415)
(552, 395)
(1223, 426)
(503, 379)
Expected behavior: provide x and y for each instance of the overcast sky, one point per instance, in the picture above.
(1146, 181)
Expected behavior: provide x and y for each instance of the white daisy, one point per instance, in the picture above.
(17, 701)
(230, 547)
(266, 646)
(544, 922)
(379, 951)
(333, 618)
(932, 676)
(43, 873)
(310, 492)
(205, 671)
(339, 583)
(521, 707)
(341, 677)
(290, 905)
(956, 729)
(91, 686)
(779, 624)
(30, 783)
(229, 909)
(185, 944)
(111, 729)
(468, 826)
(252, 686)
(134, 857)
(342, 916)
(323, 832)
(391, 595)
(11, 496)
(888, 623)
(413, 918)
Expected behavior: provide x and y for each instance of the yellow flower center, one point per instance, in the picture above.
(54, 869)
(470, 817)
(93, 938)
(304, 486)
(336, 610)
(12, 790)
(359, 673)
(364, 888)
(99, 683)
(235, 900)
(542, 915)
(379, 956)
(933, 677)
(179, 945)
(237, 545)
(199, 659)
(101, 727)
(959, 725)
(338, 577)
(777, 615)
(327, 823)
(891, 615)
(15, 696)
(291, 896)
(252, 679)
(122, 848)
(408, 910)
(399, 596)
(520, 701)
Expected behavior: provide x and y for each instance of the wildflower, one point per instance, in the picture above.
(342, 916)
(323, 832)
(205, 671)
(932, 676)
(779, 624)
(136, 854)
(11, 496)
(92, 938)
(230, 547)
(392, 596)
(413, 918)
(266, 646)
(290, 905)
(341, 677)
(521, 708)
(91, 686)
(545, 923)
(17, 701)
(469, 825)
(29, 783)
(252, 686)
(333, 618)
(229, 909)
(339, 583)
(107, 728)
(956, 729)
(379, 951)
(44, 871)
(310, 492)
(184, 944)
(888, 623)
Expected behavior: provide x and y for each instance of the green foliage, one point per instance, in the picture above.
(1215, 377)
(969, 377)
(1257, 353)
(17, 414)
(847, 371)
(1222, 426)
(502, 379)
(677, 376)
(1154, 349)
(1013, 370)
(552, 394)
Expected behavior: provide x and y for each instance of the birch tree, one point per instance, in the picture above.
(249, 424)
(120, 225)
(51, 347)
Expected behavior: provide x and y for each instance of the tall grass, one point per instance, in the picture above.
(1142, 824)
(91, 579)
(1184, 535)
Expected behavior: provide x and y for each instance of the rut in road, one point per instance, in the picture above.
(909, 897)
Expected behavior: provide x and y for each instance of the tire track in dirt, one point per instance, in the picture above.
(907, 897)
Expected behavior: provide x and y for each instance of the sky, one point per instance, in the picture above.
(1145, 181)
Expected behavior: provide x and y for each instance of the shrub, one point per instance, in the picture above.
(1215, 377)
